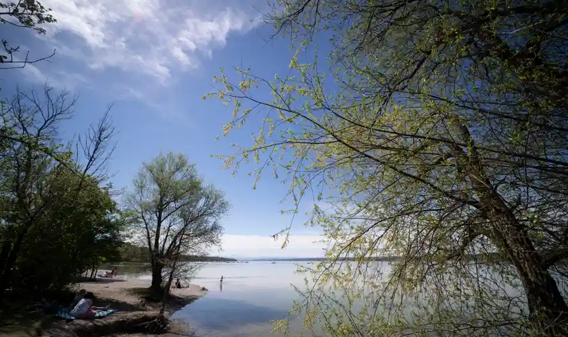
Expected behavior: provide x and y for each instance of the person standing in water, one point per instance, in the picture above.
(221, 278)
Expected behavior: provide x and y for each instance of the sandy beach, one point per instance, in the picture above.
(125, 293)
(128, 297)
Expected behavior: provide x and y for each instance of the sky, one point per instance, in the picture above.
(154, 60)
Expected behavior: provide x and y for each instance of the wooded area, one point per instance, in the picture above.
(56, 209)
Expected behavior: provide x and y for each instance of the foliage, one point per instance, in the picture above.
(56, 221)
(81, 231)
(23, 14)
(177, 213)
(133, 253)
(438, 132)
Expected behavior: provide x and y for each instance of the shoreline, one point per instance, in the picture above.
(129, 297)
(127, 292)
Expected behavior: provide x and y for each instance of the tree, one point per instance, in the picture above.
(439, 133)
(133, 253)
(23, 14)
(177, 212)
(36, 183)
(82, 230)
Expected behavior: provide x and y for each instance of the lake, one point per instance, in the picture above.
(251, 296)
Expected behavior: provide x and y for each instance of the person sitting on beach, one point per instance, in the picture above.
(77, 298)
(85, 308)
(178, 284)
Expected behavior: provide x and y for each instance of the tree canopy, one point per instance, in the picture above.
(55, 209)
(438, 131)
(177, 214)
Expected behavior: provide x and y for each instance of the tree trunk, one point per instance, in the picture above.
(157, 276)
(6, 248)
(547, 307)
(167, 289)
(4, 253)
(9, 263)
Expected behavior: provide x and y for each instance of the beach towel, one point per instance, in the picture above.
(104, 313)
(64, 313)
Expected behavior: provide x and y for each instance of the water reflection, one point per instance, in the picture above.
(251, 295)
(249, 298)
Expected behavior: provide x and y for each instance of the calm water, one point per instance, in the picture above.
(251, 296)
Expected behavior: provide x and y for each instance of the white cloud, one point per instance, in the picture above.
(153, 37)
(33, 74)
(265, 246)
(57, 79)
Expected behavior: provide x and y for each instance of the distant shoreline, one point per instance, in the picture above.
(488, 257)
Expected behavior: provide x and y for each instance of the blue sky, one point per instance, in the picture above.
(155, 59)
